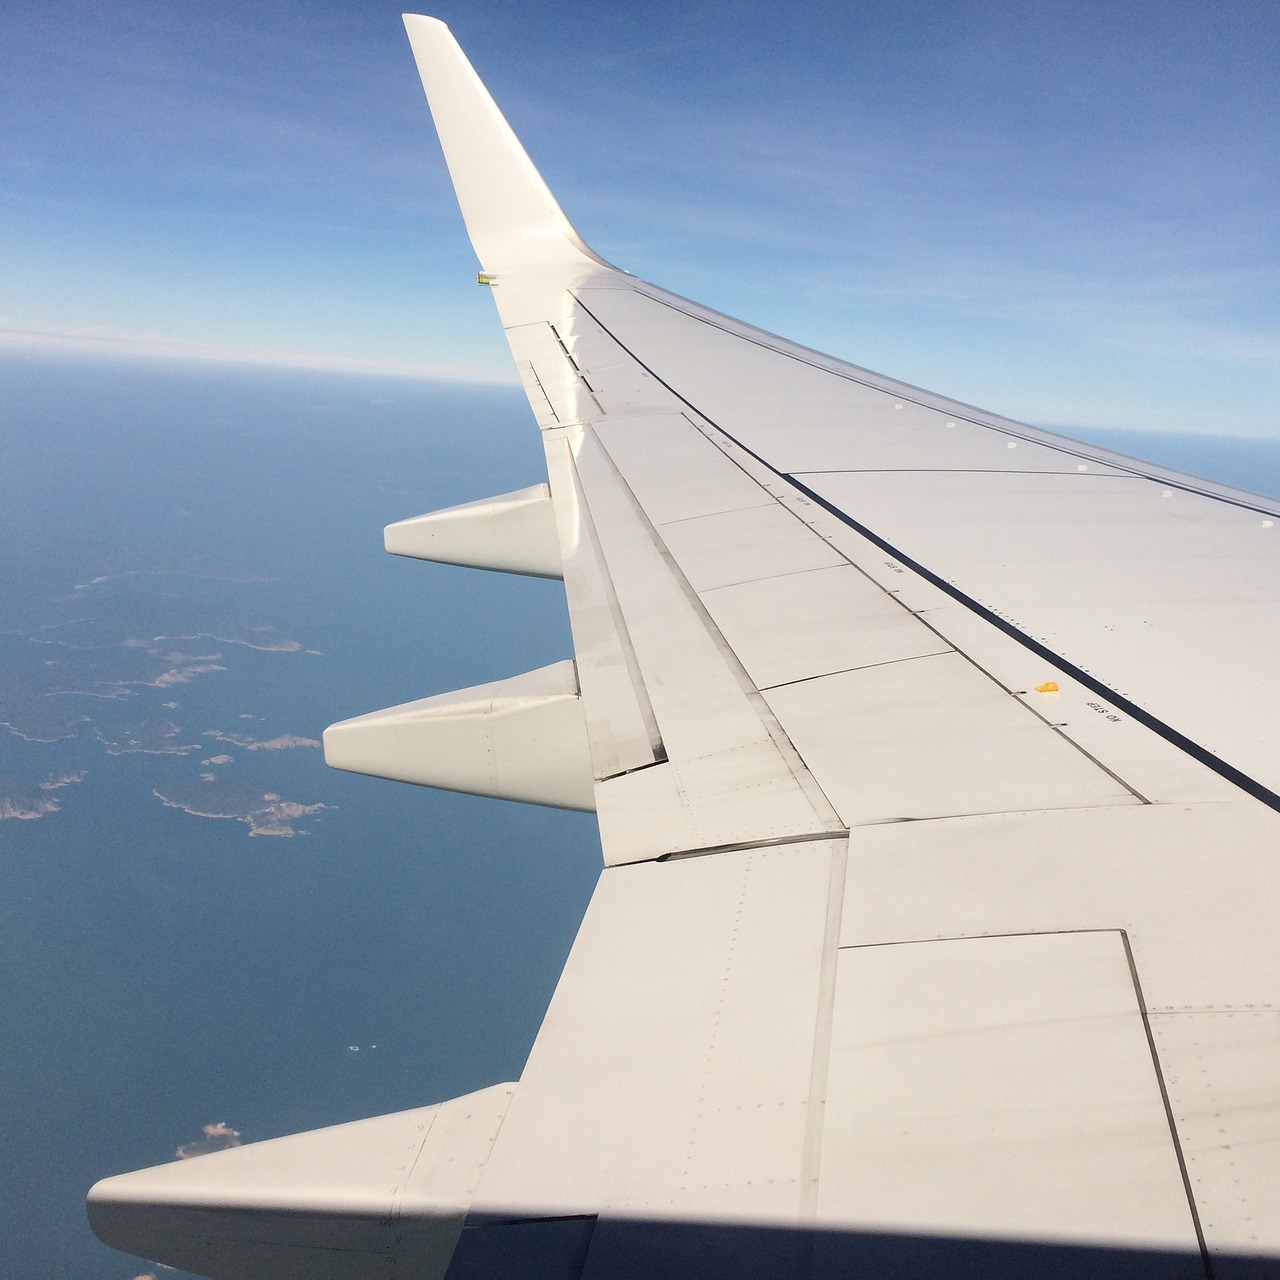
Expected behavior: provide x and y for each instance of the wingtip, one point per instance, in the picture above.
(422, 22)
(514, 221)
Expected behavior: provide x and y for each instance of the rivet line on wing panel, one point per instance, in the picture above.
(849, 373)
(974, 416)
(1202, 755)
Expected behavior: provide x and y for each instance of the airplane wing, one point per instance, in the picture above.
(935, 763)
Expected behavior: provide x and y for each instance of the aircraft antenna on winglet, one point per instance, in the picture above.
(512, 218)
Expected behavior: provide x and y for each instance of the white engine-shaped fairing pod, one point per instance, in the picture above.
(519, 739)
(513, 533)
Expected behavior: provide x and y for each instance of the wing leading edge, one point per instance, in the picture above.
(936, 929)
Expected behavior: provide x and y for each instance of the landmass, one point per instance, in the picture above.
(184, 673)
(265, 813)
(64, 779)
(23, 802)
(85, 620)
(282, 743)
(30, 713)
(152, 737)
(217, 1137)
(95, 638)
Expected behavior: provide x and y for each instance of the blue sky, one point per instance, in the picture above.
(1068, 212)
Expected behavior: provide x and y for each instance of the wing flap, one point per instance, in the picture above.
(999, 1087)
(694, 1096)
(727, 767)
(918, 732)
(933, 737)
(801, 626)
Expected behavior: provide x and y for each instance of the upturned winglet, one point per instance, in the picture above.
(512, 218)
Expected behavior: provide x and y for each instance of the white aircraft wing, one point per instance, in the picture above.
(935, 764)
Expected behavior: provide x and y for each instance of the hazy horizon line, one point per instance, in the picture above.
(35, 342)
(28, 342)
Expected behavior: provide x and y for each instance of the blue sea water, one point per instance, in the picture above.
(161, 971)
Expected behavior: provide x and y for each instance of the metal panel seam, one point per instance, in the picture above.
(1168, 1105)
(1202, 755)
(792, 482)
(772, 842)
(397, 1202)
(824, 810)
(615, 609)
(1141, 1003)
(866, 666)
(815, 1120)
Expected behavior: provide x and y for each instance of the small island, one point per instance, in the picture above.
(217, 1137)
(264, 812)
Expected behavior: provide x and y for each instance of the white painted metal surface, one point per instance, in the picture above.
(512, 218)
(1147, 591)
(999, 1087)
(657, 1111)
(374, 1199)
(519, 739)
(1134, 573)
(620, 722)
(514, 533)
(800, 625)
(931, 737)
(934, 760)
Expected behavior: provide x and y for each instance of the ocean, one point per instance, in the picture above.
(160, 971)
